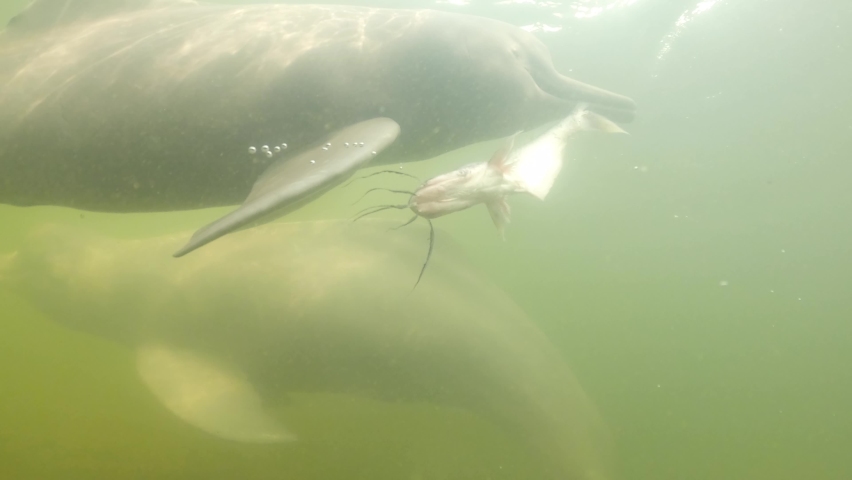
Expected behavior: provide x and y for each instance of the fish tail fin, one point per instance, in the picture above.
(500, 214)
(537, 169)
(591, 121)
(585, 120)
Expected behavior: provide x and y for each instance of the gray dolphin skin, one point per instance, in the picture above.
(319, 306)
(153, 105)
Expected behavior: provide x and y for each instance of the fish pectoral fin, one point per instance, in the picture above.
(290, 183)
(208, 396)
(500, 212)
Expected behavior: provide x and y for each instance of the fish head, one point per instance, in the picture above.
(454, 191)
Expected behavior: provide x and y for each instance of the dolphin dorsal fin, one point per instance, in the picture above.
(44, 15)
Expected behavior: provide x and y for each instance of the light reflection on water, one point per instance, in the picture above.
(680, 25)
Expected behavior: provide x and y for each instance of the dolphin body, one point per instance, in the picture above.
(153, 105)
(314, 307)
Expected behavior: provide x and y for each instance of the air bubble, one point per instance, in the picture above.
(375, 153)
(268, 154)
(284, 146)
(346, 144)
(252, 150)
(277, 149)
(264, 148)
(313, 161)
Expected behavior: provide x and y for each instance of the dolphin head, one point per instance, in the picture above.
(59, 264)
(477, 79)
(541, 93)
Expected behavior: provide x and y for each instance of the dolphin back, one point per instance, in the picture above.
(44, 15)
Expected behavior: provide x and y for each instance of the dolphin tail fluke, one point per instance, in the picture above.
(207, 395)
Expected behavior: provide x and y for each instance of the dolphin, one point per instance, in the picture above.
(160, 105)
(320, 306)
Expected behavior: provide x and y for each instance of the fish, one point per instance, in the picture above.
(164, 105)
(530, 169)
(226, 335)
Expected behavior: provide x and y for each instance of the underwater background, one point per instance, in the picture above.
(695, 274)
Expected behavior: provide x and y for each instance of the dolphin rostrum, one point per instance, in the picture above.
(155, 105)
(314, 307)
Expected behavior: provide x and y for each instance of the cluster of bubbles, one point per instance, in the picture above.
(269, 152)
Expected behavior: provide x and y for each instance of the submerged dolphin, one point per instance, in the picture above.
(154, 105)
(314, 307)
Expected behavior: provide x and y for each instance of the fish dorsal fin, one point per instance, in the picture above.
(44, 15)
(498, 160)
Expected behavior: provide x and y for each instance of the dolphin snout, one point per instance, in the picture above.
(612, 105)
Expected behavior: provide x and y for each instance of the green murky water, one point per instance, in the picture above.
(695, 275)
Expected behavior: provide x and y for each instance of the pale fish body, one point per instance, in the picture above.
(531, 169)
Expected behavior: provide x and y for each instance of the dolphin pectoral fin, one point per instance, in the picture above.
(207, 396)
(499, 210)
(293, 182)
